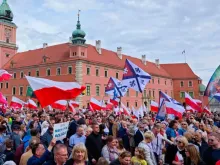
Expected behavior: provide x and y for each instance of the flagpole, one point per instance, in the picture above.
(209, 102)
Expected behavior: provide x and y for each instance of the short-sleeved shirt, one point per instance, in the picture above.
(136, 161)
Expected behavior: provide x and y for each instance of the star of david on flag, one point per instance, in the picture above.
(134, 77)
(115, 88)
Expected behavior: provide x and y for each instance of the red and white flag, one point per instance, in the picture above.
(125, 110)
(115, 102)
(74, 103)
(96, 105)
(207, 111)
(71, 107)
(154, 106)
(190, 109)
(4, 75)
(3, 99)
(49, 91)
(192, 103)
(60, 104)
(109, 106)
(16, 103)
(199, 102)
(31, 104)
(174, 109)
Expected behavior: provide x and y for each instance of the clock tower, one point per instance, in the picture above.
(8, 29)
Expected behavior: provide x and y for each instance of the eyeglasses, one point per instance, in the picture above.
(183, 124)
(179, 141)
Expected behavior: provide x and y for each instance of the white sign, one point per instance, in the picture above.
(60, 130)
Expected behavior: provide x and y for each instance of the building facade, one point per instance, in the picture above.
(88, 65)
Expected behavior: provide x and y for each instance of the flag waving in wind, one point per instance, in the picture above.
(134, 77)
(115, 88)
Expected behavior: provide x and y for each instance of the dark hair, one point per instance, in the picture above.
(110, 139)
(120, 142)
(9, 143)
(34, 148)
(2, 128)
(31, 125)
(125, 154)
(34, 132)
(172, 123)
(57, 147)
(33, 141)
(34, 115)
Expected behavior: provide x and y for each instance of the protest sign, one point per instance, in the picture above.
(60, 130)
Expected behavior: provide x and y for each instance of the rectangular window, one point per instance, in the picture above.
(97, 90)
(153, 80)
(136, 103)
(37, 73)
(190, 84)
(149, 93)
(159, 92)
(127, 104)
(58, 71)
(191, 94)
(29, 73)
(171, 93)
(14, 75)
(158, 81)
(117, 75)
(6, 85)
(106, 73)
(70, 70)
(104, 90)
(88, 92)
(136, 93)
(21, 91)
(153, 93)
(182, 94)
(97, 72)
(14, 91)
(171, 82)
(127, 94)
(22, 75)
(48, 72)
(181, 84)
(1, 85)
(145, 93)
(165, 82)
(88, 71)
(166, 92)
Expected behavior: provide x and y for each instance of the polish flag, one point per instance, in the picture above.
(206, 110)
(178, 157)
(154, 106)
(125, 110)
(61, 104)
(115, 102)
(199, 102)
(31, 104)
(74, 103)
(192, 103)
(174, 109)
(96, 105)
(49, 91)
(71, 107)
(189, 109)
(135, 112)
(4, 75)
(16, 103)
(3, 99)
(109, 106)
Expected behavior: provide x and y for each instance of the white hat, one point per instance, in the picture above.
(9, 163)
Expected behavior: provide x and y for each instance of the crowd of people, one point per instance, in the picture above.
(103, 138)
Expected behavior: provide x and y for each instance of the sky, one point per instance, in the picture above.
(160, 29)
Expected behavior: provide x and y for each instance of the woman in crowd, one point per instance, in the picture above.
(183, 129)
(79, 156)
(109, 151)
(119, 145)
(123, 159)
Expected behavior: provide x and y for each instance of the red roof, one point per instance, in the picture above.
(180, 71)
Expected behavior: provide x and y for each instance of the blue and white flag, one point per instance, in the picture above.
(217, 96)
(115, 88)
(134, 77)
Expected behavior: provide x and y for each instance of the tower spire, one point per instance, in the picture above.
(78, 14)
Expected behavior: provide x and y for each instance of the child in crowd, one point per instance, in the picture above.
(138, 159)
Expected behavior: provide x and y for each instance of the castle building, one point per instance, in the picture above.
(89, 65)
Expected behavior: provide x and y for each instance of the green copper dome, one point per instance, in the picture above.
(5, 11)
(202, 88)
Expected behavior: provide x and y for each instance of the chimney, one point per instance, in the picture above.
(45, 45)
(143, 59)
(98, 46)
(157, 62)
(119, 50)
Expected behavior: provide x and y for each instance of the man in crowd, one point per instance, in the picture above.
(47, 137)
(139, 135)
(78, 137)
(201, 143)
(15, 136)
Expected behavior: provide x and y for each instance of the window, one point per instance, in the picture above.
(165, 82)
(158, 81)
(182, 94)
(69, 69)
(159, 92)
(21, 91)
(153, 93)
(48, 72)
(29, 73)
(181, 84)
(171, 93)
(106, 73)
(14, 91)
(58, 71)
(136, 93)
(82, 53)
(14, 75)
(191, 94)
(190, 84)
(6, 85)
(37, 73)
(97, 90)
(127, 94)
(127, 104)
(97, 72)
(145, 93)
(153, 80)
(88, 71)
(136, 103)
(7, 40)
(22, 75)
(88, 90)
(166, 92)
(7, 55)
(1, 85)
(171, 83)
(117, 75)
(149, 93)
(104, 90)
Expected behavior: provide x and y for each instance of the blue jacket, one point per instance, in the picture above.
(46, 138)
(39, 161)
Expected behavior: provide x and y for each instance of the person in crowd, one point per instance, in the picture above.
(44, 127)
(60, 154)
(146, 144)
(94, 144)
(171, 131)
(102, 161)
(123, 159)
(131, 132)
(32, 133)
(123, 134)
(139, 157)
(40, 155)
(73, 126)
(47, 137)
(78, 137)
(183, 129)
(17, 121)
(26, 155)
(22, 131)
(112, 126)
(212, 154)
(200, 142)
(139, 135)
(88, 131)
(109, 151)
(192, 156)
(79, 155)
(9, 153)
(8, 128)
(175, 154)
(3, 138)
(119, 145)
(15, 136)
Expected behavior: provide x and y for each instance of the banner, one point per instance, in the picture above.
(60, 130)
